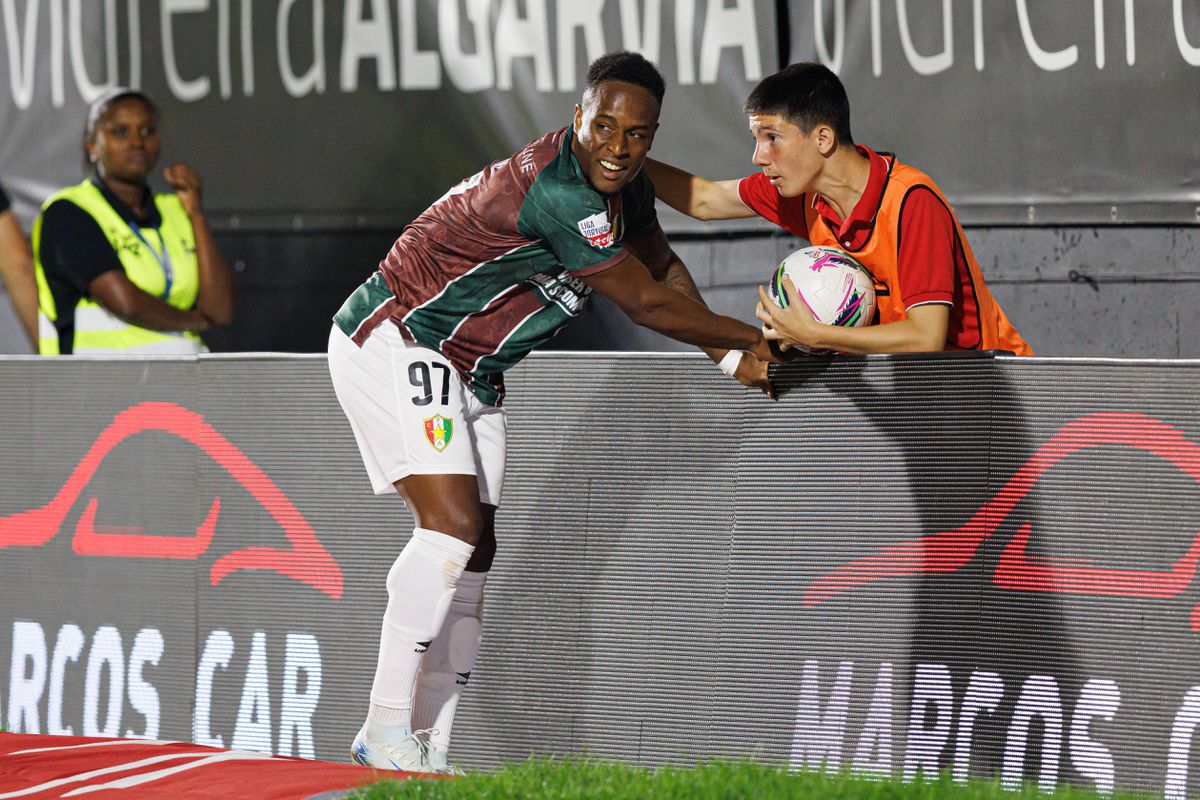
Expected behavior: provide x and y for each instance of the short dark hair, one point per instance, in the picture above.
(629, 68)
(806, 94)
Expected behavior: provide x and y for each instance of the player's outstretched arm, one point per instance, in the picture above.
(666, 267)
(660, 308)
(924, 331)
(694, 195)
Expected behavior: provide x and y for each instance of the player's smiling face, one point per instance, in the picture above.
(614, 128)
(786, 155)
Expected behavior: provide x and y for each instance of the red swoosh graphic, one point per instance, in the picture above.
(306, 561)
(950, 550)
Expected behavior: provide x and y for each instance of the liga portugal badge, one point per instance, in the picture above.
(438, 431)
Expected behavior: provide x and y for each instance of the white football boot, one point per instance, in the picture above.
(409, 753)
(439, 762)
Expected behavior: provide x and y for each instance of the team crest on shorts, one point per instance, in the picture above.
(438, 431)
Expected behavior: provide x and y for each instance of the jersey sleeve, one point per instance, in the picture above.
(72, 248)
(763, 199)
(925, 264)
(575, 224)
(637, 206)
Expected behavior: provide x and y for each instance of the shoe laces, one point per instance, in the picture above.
(419, 739)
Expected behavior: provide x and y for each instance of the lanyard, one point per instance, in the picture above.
(163, 260)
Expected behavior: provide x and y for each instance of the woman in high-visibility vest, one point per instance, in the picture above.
(121, 269)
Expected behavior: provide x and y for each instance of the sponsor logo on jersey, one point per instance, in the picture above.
(438, 431)
(598, 230)
(564, 289)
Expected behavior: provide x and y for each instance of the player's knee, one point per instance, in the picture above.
(464, 524)
(485, 553)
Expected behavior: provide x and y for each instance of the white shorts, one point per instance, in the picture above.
(412, 414)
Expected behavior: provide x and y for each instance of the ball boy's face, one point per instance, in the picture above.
(791, 158)
(614, 128)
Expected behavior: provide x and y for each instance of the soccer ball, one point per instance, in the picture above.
(837, 289)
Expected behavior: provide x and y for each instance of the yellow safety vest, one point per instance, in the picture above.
(96, 329)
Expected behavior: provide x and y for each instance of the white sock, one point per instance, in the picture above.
(421, 585)
(448, 664)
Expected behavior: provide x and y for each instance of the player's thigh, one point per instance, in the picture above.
(405, 405)
(448, 504)
(488, 427)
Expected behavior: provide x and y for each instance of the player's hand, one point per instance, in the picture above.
(791, 326)
(186, 183)
(752, 372)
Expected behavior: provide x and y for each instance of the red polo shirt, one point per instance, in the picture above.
(927, 264)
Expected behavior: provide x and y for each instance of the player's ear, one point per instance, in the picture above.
(578, 117)
(826, 139)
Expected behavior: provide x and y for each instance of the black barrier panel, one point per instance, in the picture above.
(959, 562)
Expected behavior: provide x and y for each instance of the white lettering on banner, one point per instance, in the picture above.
(734, 27)
(822, 715)
(644, 36)
(927, 739)
(68, 647)
(685, 25)
(108, 678)
(113, 674)
(480, 42)
(252, 729)
(148, 647)
(27, 677)
(364, 39)
(1190, 52)
(1098, 18)
(469, 72)
(984, 690)
(218, 650)
(88, 90)
(1039, 698)
(1091, 759)
(302, 656)
(224, 67)
(820, 737)
(21, 50)
(523, 37)
(1051, 62)
(419, 69)
(1179, 754)
(185, 90)
(313, 80)
(582, 15)
(834, 60)
(106, 652)
(873, 755)
(922, 64)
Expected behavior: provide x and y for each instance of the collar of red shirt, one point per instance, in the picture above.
(856, 228)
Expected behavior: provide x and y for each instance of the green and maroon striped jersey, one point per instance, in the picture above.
(493, 269)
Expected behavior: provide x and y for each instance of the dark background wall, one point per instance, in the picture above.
(1072, 291)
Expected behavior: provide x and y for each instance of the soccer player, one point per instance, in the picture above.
(819, 185)
(486, 274)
